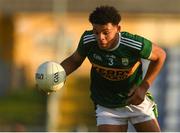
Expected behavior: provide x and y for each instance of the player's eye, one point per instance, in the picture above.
(106, 32)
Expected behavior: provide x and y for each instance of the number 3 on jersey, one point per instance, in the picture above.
(110, 61)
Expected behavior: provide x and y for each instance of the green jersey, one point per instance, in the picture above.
(114, 72)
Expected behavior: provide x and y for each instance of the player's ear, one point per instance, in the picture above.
(119, 28)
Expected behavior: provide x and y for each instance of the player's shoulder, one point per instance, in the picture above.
(131, 40)
(88, 37)
(129, 35)
(126, 34)
(88, 32)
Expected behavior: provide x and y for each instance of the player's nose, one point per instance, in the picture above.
(100, 37)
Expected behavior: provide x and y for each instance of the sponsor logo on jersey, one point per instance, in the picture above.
(115, 74)
(97, 57)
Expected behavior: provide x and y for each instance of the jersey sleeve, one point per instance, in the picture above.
(85, 43)
(146, 48)
(82, 50)
(139, 45)
(142, 46)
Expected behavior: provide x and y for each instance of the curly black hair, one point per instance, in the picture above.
(105, 14)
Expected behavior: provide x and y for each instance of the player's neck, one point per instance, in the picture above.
(116, 43)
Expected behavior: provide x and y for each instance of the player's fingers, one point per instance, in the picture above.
(134, 100)
(132, 91)
(129, 100)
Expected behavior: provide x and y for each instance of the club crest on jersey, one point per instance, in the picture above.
(125, 61)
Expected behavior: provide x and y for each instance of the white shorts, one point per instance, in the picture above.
(121, 116)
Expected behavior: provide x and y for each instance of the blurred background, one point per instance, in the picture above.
(34, 31)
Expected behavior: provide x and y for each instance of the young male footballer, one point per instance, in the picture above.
(118, 90)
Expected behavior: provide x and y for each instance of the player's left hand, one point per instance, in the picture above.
(136, 95)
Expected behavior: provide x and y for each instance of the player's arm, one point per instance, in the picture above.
(157, 59)
(71, 63)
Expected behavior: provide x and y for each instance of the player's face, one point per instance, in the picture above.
(107, 35)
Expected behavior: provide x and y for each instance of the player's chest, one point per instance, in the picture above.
(115, 59)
